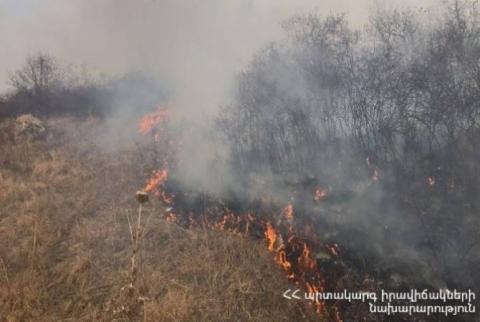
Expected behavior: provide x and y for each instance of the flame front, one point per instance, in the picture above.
(157, 179)
(271, 235)
(295, 255)
(152, 120)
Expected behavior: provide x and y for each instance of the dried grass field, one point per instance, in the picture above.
(65, 244)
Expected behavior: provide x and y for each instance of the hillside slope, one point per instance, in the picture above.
(65, 245)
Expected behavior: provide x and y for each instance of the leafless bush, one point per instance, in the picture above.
(401, 97)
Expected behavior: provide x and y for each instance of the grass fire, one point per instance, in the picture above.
(249, 161)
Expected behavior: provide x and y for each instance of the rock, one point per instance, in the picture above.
(29, 127)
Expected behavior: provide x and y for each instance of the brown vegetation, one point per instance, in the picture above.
(65, 243)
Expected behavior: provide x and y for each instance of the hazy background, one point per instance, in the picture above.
(197, 46)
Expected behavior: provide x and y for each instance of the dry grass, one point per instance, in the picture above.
(65, 244)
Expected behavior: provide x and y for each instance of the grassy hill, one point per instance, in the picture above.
(65, 245)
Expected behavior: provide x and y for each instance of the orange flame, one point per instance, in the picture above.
(320, 194)
(271, 235)
(157, 179)
(305, 259)
(294, 255)
(150, 121)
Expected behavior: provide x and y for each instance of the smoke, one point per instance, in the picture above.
(194, 47)
(192, 52)
(197, 45)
